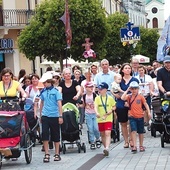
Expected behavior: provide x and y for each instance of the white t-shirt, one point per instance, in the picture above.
(32, 93)
(144, 84)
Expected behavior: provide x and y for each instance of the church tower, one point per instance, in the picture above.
(155, 14)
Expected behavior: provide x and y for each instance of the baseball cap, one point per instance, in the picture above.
(89, 84)
(167, 58)
(134, 84)
(46, 76)
(103, 85)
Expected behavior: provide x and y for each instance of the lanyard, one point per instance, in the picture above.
(131, 102)
(142, 80)
(104, 105)
(6, 90)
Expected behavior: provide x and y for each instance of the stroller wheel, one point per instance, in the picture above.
(28, 152)
(153, 130)
(0, 160)
(79, 148)
(83, 147)
(64, 148)
(162, 140)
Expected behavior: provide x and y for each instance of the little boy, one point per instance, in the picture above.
(104, 106)
(136, 114)
(90, 116)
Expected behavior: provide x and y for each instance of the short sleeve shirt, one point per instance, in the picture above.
(50, 97)
(110, 103)
(11, 92)
(164, 75)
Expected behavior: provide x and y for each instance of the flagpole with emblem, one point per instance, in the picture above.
(66, 20)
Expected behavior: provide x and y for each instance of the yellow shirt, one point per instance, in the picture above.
(101, 110)
(12, 91)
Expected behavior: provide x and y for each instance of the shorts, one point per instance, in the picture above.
(137, 124)
(105, 126)
(50, 129)
(122, 114)
(148, 101)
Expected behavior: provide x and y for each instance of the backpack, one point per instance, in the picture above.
(84, 97)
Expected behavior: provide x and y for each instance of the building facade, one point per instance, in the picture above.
(14, 16)
(136, 11)
(155, 14)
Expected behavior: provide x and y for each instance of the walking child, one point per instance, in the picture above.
(51, 116)
(104, 107)
(136, 114)
(90, 116)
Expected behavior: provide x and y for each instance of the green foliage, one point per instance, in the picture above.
(117, 53)
(46, 34)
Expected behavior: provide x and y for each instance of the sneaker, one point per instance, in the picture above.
(106, 152)
(92, 146)
(149, 128)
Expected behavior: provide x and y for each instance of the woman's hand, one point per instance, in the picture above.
(75, 98)
(60, 120)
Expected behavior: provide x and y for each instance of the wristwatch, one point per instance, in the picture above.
(60, 116)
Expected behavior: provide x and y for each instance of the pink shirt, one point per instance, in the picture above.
(89, 104)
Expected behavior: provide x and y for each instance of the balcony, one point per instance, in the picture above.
(15, 18)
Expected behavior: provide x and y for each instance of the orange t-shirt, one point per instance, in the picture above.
(136, 110)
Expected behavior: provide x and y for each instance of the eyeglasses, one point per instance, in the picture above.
(135, 63)
(6, 75)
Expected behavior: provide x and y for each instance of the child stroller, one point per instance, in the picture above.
(165, 136)
(70, 128)
(115, 133)
(32, 121)
(157, 120)
(14, 132)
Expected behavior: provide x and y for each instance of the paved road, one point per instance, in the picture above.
(154, 158)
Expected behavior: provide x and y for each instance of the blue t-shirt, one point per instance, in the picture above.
(50, 98)
(120, 103)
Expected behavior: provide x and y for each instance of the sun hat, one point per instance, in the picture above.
(89, 84)
(167, 58)
(46, 76)
(103, 85)
(134, 84)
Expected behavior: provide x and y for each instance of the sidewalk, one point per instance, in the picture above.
(154, 158)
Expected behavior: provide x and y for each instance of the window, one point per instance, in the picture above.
(154, 10)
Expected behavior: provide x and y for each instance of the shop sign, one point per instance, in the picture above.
(6, 46)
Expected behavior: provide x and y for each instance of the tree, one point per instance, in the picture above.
(117, 53)
(45, 36)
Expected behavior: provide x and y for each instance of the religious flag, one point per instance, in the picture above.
(66, 20)
(164, 41)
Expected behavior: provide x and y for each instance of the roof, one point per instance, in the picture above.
(148, 1)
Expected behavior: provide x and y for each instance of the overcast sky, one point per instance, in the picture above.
(167, 8)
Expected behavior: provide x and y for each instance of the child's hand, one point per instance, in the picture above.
(149, 116)
(97, 115)
(104, 117)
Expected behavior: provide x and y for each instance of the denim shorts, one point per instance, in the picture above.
(137, 124)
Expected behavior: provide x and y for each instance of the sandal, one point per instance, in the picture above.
(131, 143)
(142, 149)
(126, 145)
(57, 157)
(98, 143)
(134, 149)
(46, 158)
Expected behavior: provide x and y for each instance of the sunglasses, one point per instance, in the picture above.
(56, 77)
